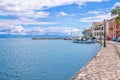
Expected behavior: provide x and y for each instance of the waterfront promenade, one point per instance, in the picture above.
(104, 66)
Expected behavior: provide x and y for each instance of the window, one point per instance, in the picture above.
(102, 33)
(97, 33)
(102, 28)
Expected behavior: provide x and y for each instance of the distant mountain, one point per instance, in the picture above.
(32, 36)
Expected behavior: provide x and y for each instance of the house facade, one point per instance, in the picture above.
(114, 28)
(97, 29)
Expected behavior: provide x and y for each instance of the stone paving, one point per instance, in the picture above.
(104, 66)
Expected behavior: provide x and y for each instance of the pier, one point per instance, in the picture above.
(104, 66)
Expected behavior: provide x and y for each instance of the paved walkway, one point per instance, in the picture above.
(104, 66)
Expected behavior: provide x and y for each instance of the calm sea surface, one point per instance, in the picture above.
(26, 59)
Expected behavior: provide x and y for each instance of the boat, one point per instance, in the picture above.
(84, 40)
(68, 38)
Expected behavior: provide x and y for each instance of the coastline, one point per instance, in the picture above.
(78, 72)
(103, 65)
(47, 38)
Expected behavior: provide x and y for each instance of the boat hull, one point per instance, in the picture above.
(77, 41)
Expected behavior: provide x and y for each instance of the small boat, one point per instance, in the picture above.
(68, 38)
(84, 41)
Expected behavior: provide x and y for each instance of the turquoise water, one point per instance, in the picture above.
(26, 59)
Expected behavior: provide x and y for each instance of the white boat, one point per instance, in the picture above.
(82, 41)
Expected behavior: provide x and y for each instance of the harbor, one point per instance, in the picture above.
(104, 66)
(26, 59)
(60, 40)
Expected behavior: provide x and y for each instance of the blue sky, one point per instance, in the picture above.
(38, 17)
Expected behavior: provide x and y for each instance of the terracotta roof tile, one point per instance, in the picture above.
(97, 23)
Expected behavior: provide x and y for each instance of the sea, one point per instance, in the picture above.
(27, 59)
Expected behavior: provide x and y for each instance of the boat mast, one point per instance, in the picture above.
(71, 32)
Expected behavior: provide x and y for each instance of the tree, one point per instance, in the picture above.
(116, 11)
(87, 33)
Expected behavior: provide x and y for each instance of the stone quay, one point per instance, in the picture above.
(104, 66)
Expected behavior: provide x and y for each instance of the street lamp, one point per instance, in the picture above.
(104, 33)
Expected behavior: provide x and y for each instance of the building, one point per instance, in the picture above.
(97, 29)
(111, 24)
(87, 33)
(114, 28)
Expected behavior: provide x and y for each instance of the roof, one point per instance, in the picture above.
(88, 30)
(97, 23)
(112, 19)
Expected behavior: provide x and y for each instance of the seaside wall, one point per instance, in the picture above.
(104, 66)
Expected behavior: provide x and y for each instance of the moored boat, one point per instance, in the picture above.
(84, 41)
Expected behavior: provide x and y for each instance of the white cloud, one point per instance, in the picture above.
(116, 4)
(5, 27)
(62, 29)
(95, 12)
(11, 29)
(96, 18)
(33, 14)
(26, 14)
(25, 10)
(39, 4)
(18, 29)
(59, 14)
(27, 7)
(24, 21)
(20, 5)
(62, 14)
(53, 30)
(98, 15)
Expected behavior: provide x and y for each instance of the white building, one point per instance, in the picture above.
(97, 29)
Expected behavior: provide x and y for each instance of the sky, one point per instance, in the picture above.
(39, 17)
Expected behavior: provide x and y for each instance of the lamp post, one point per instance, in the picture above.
(104, 33)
